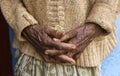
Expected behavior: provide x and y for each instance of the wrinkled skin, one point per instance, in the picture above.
(41, 37)
(61, 50)
(81, 36)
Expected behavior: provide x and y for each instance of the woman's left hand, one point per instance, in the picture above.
(82, 37)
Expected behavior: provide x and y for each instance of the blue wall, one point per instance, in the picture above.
(110, 66)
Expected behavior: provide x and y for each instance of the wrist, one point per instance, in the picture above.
(97, 28)
(28, 29)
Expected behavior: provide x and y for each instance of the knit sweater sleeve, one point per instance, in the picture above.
(104, 13)
(17, 16)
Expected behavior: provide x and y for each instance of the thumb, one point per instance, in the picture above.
(67, 59)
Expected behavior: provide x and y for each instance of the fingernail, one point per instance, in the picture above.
(51, 52)
(72, 46)
(67, 59)
(46, 52)
(72, 62)
(55, 39)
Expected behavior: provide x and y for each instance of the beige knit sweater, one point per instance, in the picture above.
(68, 14)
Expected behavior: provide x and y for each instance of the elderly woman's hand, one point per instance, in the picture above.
(41, 37)
(82, 37)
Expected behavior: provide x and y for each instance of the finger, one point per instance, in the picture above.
(57, 40)
(54, 33)
(78, 41)
(74, 41)
(81, 48)
(56, 52)
(66, 59)
(63, 46)
(58, 59)
(56, 44)
(77, 54)
(69, 35)
(49, 59)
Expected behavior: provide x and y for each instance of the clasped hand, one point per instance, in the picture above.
(57, 47)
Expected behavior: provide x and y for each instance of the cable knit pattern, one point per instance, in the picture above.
(68, 14)
(55, 12)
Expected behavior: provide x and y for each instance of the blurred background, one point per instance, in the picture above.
(109, 67)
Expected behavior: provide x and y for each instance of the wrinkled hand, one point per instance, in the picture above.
(41, 38)
(82, 37)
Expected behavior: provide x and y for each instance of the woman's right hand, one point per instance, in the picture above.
(41, 37)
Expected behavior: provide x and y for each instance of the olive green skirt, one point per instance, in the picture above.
(29, 66)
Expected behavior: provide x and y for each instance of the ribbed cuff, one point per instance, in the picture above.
(24, 21)
(102, 15)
